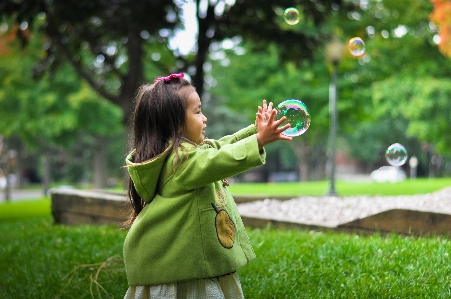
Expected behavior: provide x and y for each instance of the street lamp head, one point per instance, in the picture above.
(334, 50)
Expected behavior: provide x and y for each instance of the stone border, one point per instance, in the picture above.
(72, 207)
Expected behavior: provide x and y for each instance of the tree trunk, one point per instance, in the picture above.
(134, 77)
(203, 44)
(100, 158)
(46, 175)
(302, 150)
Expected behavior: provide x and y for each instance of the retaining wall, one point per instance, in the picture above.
(72, 207)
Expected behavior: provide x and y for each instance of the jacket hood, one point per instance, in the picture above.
(145, 175)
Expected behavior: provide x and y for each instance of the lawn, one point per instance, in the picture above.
(343, 188)
(24, 209)
(39, 259)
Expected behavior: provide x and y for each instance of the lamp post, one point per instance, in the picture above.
(334, 53)
(10, 164)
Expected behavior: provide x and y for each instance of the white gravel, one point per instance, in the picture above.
(331, 211)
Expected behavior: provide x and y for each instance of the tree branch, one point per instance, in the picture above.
(86, 75)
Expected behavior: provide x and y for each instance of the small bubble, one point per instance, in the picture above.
(396, 154)
(356, 46)
(291, 16)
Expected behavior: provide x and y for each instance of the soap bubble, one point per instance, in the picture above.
(291, 16)
(356, 46)
(297, 115)
(396, 154)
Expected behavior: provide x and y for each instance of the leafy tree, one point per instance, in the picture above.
(48, 114)
(424, 102)
(114, 47)
(104, 41)
(35, 110)
(253, 76)
(401, 56)
(399, 43)
(108, 43)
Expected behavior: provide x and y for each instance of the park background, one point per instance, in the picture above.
(69, 71)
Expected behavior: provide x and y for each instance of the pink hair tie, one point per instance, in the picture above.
(167, 78)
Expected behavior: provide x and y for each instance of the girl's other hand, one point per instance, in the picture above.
(265, 110)
(269, 131)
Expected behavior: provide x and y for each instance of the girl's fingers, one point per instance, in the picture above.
(280, 121)
(272, 114)
(281, 129)
(259, 117)
(283, 137)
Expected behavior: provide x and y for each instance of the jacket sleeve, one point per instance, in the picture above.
(205, 164)
(241, 134)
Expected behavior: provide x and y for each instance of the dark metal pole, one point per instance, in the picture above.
(333, 128)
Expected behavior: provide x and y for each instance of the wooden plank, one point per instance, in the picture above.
(89, 207)
(404, 222)
(93, 207)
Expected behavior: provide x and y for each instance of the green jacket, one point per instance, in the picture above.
(190, 227)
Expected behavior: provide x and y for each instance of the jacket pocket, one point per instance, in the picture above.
(222, 255)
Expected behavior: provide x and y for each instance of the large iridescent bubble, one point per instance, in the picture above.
(396, 154)
(297, 115)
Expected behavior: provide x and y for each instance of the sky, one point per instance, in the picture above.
(185, 40)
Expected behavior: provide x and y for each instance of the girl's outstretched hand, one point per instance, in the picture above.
(269, 131)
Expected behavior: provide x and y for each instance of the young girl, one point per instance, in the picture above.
(186, 238)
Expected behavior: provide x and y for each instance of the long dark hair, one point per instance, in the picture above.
(158, 120)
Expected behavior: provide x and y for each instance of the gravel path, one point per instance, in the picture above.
(331, 211)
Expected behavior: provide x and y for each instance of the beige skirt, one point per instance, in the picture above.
(223, 287)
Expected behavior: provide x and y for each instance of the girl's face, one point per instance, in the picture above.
(195, 120)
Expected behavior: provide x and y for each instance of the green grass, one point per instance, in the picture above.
(299, 264)
(39, 259)
(343, 188)
(42, 260)
(25, 209)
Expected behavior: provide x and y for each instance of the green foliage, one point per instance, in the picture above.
(56, 113)
(94, 115)
(36, 111)
(46, 112)
(401, 61)
(280, 62)
(246, 81)
(261, 23)
(423, 101)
